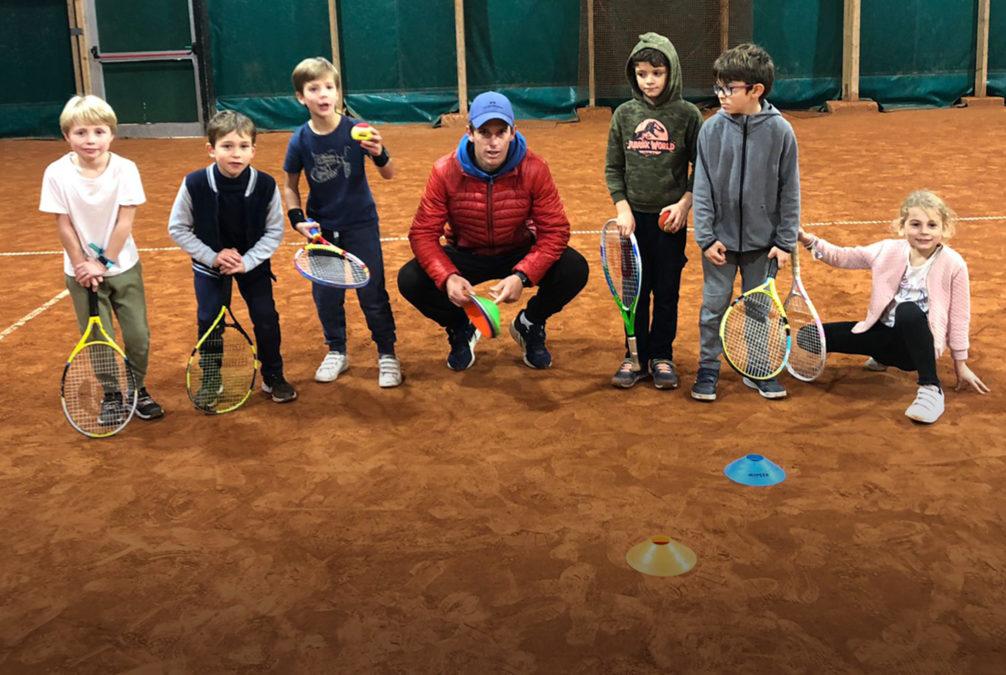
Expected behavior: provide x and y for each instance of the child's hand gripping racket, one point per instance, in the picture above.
(98, 391)
(220, 375)
(754, 331)
(623, 270)
(324, 263)
(809, 353)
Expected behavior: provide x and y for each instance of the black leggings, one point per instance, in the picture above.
(907, 345)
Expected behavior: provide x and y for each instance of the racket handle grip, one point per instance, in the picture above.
(634, 353)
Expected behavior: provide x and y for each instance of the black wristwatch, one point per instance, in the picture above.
(523, 278)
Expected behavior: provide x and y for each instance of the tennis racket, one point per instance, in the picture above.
(623, 270)
(98, 390)
(808, 355)
(220, 375)
(325, 263)
(754, 331)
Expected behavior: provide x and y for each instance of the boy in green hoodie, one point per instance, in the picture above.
(651, 144)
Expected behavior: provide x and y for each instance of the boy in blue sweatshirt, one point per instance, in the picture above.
(746, 199)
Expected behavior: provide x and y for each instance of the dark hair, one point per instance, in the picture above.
(654, 57)
(226, 121)
(746, 63)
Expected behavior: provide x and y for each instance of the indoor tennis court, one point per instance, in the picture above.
(479, 521)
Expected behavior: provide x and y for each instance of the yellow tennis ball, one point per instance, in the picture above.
(362, 132)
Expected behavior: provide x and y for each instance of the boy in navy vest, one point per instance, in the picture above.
(229, 218)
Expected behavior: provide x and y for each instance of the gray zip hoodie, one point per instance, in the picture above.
(747, 182)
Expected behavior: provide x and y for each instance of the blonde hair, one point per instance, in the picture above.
(315, 68)
(226, 121)
(87, 110)
(928, 201)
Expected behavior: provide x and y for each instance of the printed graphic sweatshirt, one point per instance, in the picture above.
(651, 143)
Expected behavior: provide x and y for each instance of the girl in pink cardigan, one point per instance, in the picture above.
(920, 303)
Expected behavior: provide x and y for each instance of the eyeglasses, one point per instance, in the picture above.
(730, 89)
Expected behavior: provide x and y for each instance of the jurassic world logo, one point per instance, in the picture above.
(650, 138)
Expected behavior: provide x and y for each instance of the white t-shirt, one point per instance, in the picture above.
(911, 289)
(93, 204)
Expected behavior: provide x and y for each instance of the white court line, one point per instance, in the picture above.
(32, 314)
(156, 249)
(62, 294)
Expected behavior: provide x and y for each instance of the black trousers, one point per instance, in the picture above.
(908, 345)
(256, 289)
(561, 283)
(663, 257)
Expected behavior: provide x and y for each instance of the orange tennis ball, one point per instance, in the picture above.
(664, 217)
(362, 132)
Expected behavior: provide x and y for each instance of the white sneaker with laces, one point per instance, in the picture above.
(389, 371)
(874, 365)
(333, 365)
(927, 406)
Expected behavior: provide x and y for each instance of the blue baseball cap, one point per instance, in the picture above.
(491, 105)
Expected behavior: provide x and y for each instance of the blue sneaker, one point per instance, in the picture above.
(532, 341)
(767, 388)
(704, 388)
(462, 340)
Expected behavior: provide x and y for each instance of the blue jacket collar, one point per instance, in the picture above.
(515, 155)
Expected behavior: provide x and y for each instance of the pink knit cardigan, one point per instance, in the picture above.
(947, 285)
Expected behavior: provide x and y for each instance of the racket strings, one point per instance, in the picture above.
(622, 266)
(224, 371)
(333, 267)
(97, 390)
(755, 336)
(807, 356)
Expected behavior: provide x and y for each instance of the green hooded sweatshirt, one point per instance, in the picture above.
(650, 144)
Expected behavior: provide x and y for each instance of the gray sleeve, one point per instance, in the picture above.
(182, 229)
(703, 211)
(789, 194)
(271, 238)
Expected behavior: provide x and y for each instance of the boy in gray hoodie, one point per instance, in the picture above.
(746, 199)
(651, 143)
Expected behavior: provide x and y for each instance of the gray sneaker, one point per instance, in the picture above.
(770, 389)
(626, 376)
(704, 388)
(665, 376)
(874, 365)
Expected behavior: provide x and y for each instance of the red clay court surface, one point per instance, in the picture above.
(478, 521)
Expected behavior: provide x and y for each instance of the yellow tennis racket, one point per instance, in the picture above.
(98, 389)
(221, 372)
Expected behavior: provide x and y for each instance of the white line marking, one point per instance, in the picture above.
(32, 314)
(826, 223)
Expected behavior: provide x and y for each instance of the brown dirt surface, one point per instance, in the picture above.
(478, 521)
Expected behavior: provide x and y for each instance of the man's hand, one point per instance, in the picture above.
(780, 255)
(508, 289)
(459, 291)
(716, 254)
(227, 257)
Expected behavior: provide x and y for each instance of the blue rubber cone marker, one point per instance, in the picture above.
(754, 470)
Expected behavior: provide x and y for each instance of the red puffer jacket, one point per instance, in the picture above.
(518, 209)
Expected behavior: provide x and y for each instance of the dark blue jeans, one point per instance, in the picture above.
(256, 289)
(365, 243)
(663, 256)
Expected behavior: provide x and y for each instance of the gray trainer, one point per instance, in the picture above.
(665, 375)
(626, 376)
(874, 365)
(770, 389)
(704, 388)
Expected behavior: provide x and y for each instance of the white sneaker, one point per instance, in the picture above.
(927, 406)
(389, 371)
(874, 365)
(333, 365)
